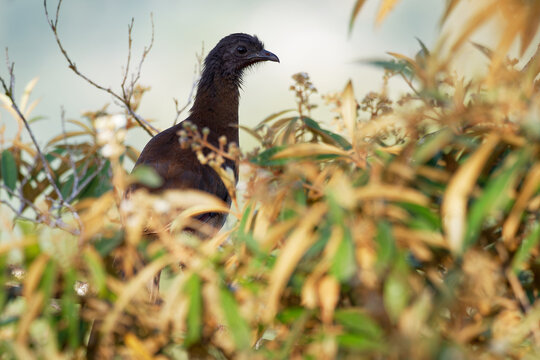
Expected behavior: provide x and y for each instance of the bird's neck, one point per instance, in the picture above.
(216, 106)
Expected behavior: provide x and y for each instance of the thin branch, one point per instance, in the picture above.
(196, 78)
(125, 101)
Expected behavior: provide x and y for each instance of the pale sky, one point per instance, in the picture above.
(307, 35)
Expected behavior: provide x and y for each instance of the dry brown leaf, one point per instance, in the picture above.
(454, 204)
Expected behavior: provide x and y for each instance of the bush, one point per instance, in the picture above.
(408, 229)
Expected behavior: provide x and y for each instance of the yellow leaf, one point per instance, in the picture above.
(454, 204)
(328, 297)
(138, 349)
(297, 244)
(386, 7)
(309, 149)
(390, 192)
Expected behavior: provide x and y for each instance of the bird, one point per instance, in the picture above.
(215, 107)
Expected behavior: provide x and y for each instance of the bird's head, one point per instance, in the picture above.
(236, 52)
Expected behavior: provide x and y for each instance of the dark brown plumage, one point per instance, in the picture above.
(215, 107)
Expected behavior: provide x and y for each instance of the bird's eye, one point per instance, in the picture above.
(241, 50)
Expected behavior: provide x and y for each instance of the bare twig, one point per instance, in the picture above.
(126, 98)
(196, 78)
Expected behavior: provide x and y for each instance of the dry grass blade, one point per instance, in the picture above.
(297, 244)
(454, 205)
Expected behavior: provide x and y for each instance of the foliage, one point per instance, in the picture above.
(406, 229)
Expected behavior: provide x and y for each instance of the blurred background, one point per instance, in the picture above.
(307, 35)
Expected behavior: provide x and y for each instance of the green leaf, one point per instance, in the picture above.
(265, 158)
(104, 245)
(9, 169)
(391, 65)
(358, 342)
(97, 271)
(386, 247)
(524, 251)
(147, 176)
(396, 291)
(235, 322)
(99, 185)
(344, 264)
(48, 280)
(327, 135)
(356, 321)
(496, 194)
(194, 317)
(70, 311)
(421, 217)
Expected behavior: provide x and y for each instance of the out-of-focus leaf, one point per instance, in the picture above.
(454, 205)
(386, 247)
(495, 194)
(450, 6)
(308, 149)
(147, 176)
(525, 249)
(344, 263)
(396, 290)
(431, 144)
(9, 169)
(193, 288)
(290, 314)
(386, 7)
(358, 322)
(354, 13)
(391, 65)
(70, 311)
(359, 342)
(274, 116)
(327, 135)
(99, 185)
(235, 322)
(478, 19)
(421, 217)
(96, 269)
(266, 157)
(104, 245)
(348, 110)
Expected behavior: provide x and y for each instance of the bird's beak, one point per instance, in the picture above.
(264, 55)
